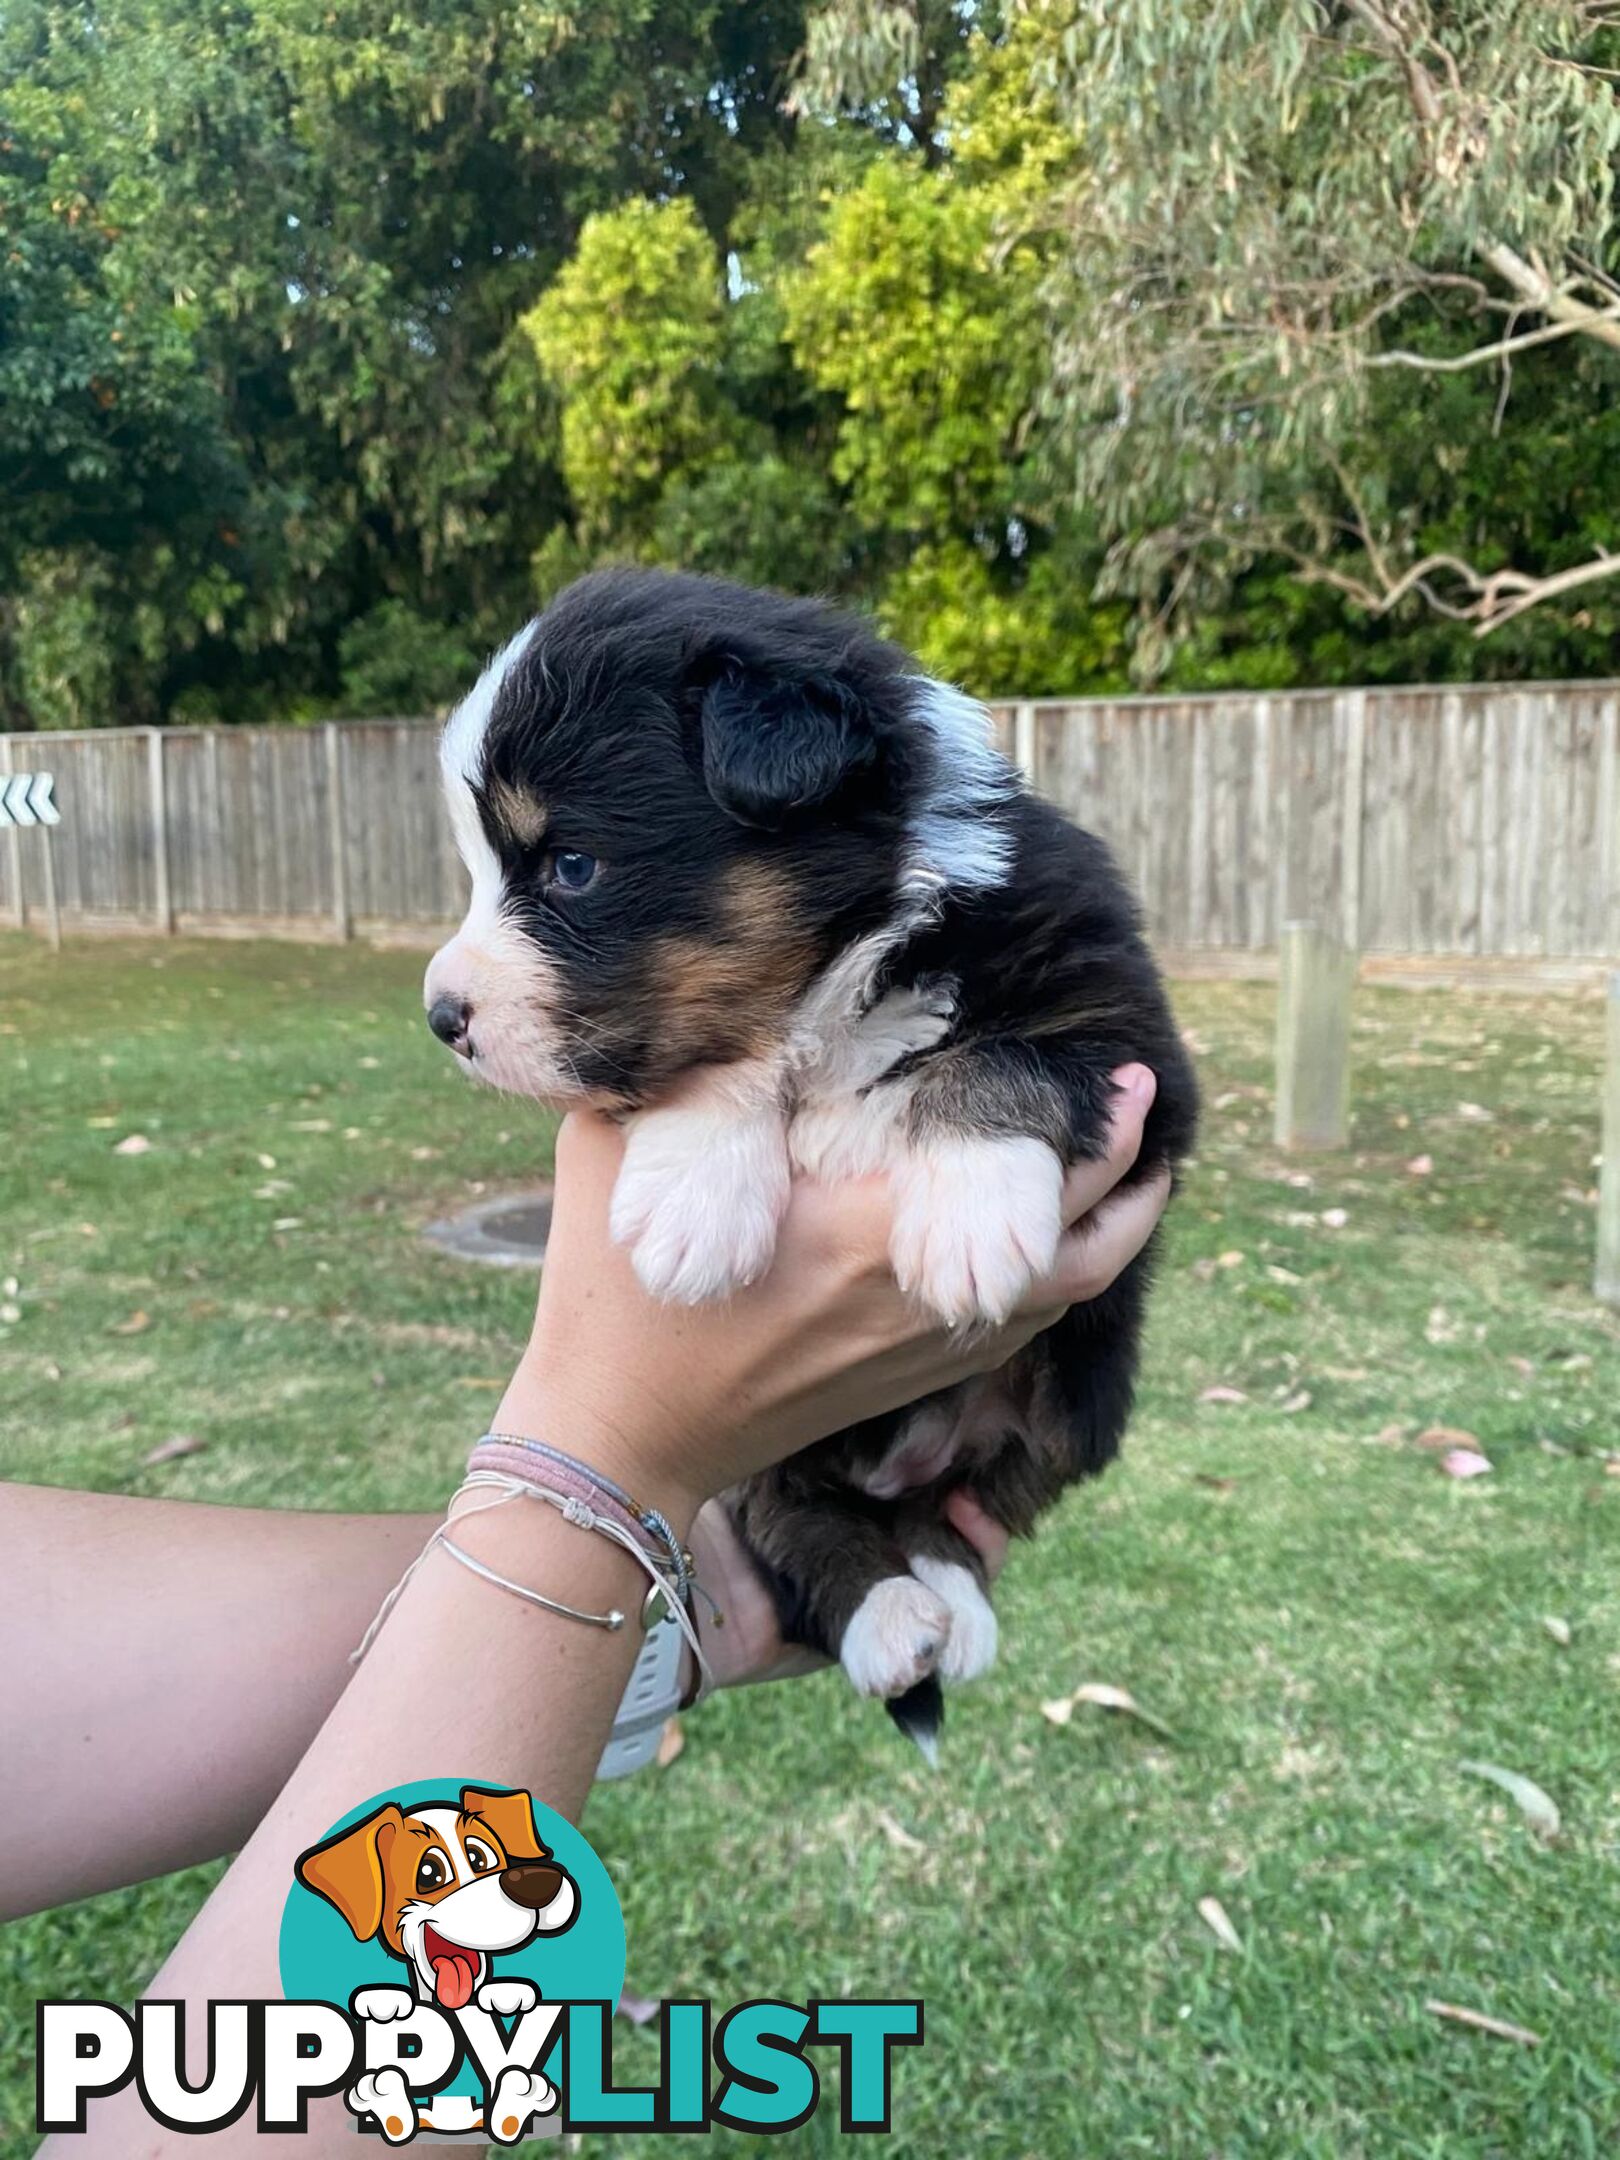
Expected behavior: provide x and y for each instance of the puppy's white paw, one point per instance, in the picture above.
(381, 2005)
(976, 1221)
(519, 2096)
(896, 1638)
(386, 2098)
(507, 1998)
(971, 1646)
(699, 1197)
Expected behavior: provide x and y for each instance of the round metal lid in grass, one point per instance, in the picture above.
(507, 1231)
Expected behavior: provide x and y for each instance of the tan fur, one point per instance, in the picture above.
(728, 995)
(518, 812)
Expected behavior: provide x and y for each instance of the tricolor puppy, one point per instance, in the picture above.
(744, 876)
(444, 1889)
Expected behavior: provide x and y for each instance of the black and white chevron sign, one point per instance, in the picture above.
(25, 799)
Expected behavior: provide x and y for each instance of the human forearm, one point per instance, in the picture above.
(199, 1647)
(464, 1681)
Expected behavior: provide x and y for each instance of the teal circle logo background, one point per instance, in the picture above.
(322, 1962)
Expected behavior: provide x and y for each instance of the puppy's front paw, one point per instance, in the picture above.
(386, 2098)
(508, 1998)
(971, 1646)
(976, 1220)
(381, 2005)
(699, 1197)
(896, 1638)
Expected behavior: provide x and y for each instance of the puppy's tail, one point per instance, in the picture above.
(919, 1713)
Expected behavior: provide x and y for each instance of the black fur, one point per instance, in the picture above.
(748, 768)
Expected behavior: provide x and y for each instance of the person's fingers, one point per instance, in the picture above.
(1099, 1249)
(1088, 1182)
(987, 1537)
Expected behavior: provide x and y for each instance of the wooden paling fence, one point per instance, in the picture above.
(1474, 821)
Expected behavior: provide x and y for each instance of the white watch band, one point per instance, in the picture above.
(652, 1697)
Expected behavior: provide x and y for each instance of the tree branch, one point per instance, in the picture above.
(1457, 363)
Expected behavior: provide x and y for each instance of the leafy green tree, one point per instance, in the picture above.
(1289, 219)
(631, 337)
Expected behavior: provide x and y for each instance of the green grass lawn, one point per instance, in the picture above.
(1328, 1624)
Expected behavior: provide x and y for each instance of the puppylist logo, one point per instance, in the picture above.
(451, 1957)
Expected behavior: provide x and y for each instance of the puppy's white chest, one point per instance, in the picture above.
(847, 1119)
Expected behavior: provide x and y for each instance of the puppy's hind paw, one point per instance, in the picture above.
(385, 2097)
(976, 1221)
(971, 1649)
(896, 1637)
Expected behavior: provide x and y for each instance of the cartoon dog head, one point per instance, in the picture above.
(444, 1888)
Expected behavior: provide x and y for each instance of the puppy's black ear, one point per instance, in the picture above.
(776, 747)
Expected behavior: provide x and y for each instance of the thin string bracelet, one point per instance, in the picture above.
(673, 1586)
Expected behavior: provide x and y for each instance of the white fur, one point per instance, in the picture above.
(703, 1185)
(519, 2096)
(489, 964)
(954, 831)
(382, 2005)
(971, 1646)
(976, 1221)
(896, 1637)
(507, 1998)
(386, 2098)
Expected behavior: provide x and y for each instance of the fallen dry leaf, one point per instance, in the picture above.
(182, 1443)
(1059, 1710)
(670, 1743)
(1445, 1436)
(1222, 1393)
(1420, 1166)
(1229, 1259)
(1214, 1916)
(1299, 1400)
(1462, 1462)
(1480, 2022)
(1335, 1218)
(136, 1144)
(1222, 1485)
(265, 1162)
(897, 1834)
(1539, 1808)
(1473, 1113)
(1102, 1696)
(639, 2009)
(1558, 1629)
(136, 1324)
(10, 1313)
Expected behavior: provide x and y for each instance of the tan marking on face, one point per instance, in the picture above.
(729, 994)
(518, 812)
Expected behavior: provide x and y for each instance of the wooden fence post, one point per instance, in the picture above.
(162, 905)
(1313, 1038)
(1606, 1282)
(1024, 741)
(342, 920)
(13, 844)
(1355, 796)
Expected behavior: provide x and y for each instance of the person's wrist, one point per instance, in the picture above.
(633, 1443)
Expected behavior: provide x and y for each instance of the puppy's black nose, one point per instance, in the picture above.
(533, 1883)
(449, 1018)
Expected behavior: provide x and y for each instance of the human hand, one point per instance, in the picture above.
(677, 1402)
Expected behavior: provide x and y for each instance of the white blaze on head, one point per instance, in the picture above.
(955, 832)
(501, 976)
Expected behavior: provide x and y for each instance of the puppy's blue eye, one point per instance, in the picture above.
(572, 869)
